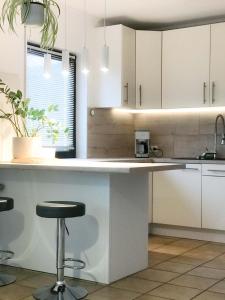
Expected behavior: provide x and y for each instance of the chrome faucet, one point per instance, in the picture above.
(216, 133)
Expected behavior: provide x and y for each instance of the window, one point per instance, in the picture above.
(59, 90)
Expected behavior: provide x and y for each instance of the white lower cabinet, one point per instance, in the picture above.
(213, 197)
(177, 197)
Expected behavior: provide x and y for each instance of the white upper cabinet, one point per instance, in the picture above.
(185, 67)
(148, 69)
(115, 88)
(217, 64)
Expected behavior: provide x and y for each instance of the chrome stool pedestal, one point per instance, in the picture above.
(61, 290)
(5, 279)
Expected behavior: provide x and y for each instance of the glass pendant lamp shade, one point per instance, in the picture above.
(85, 61)
(47, 65)
(105, 59)
(65, 62)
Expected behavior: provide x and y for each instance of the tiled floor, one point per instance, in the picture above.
(178, 269)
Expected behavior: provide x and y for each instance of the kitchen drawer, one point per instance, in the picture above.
(213, 170)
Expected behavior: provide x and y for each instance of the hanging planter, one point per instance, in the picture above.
(43, 13)
(33, 14)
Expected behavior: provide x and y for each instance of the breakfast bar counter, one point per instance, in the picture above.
(112, 238)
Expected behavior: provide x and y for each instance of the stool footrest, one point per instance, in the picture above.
(5, 255)
(80, 264)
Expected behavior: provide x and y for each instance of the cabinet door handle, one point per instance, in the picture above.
(220, 171)
(213, 92)
(193, 169)
(204, 92)
(140, 94)
(2, 186)
(126, 86)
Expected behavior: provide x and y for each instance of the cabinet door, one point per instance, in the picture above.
(217, 64)
(128, 67)
(213, 201)
(115, 88)
(185, 64)
(177, 197)
(148, 69)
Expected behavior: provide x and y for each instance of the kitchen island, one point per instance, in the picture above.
(112, 238)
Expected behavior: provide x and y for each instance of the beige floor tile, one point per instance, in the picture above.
(185, 259)
(217, 263)
(158, 241)
(187, 244)
(172, 250)
(156, 258)
(194, 282)
(208, 272)
(110, 293)
(156, 275)
(219, 287)
(174, 267)
(15, 292)
(149, 297)
(136, 284)
(216, 247)
(88, 285)
(210, 296)
(179, 247)
(38, 281)
(29, 298)
(175, 292)
(18, 272)
(201, 254)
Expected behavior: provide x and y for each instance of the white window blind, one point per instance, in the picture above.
(58, 89)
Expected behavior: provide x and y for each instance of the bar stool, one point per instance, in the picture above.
(5, 279)
(61, 210)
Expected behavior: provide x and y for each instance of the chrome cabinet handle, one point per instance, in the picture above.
(2, 186)
(221, 171)
(213, 92)
(140, 94)
(204, 92)
(126, 86)
(193, 169)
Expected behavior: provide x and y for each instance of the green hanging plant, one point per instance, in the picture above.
(43, 13)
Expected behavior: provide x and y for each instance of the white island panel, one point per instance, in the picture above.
(111, 238)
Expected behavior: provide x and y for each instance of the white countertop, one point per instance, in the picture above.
(86, 165)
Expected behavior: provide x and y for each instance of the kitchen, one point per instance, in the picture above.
(156, 70)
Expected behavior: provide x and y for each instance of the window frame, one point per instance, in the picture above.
(71, 153)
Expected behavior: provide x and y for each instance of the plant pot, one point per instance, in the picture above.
(33, 14)
(26, 147)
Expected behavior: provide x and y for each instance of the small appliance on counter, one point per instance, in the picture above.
(142, 143)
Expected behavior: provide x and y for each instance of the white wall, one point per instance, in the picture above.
(12, 62)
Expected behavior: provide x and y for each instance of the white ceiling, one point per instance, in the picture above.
(144, 13)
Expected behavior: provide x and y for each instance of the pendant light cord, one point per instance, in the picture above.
(85, 23)
(65, 24)
(105, 15)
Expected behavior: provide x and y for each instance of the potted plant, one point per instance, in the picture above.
(27, 123)
(43, 13)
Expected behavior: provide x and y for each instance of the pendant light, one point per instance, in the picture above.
(105, 49)
(65, 52)
(84, 55)
(47, 65)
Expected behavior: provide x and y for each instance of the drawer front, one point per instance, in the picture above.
(213, 170)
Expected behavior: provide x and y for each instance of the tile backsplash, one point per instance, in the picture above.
(110, 134)
(178, 133)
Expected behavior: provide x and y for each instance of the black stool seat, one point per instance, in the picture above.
(60, 209)
(6, 203)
